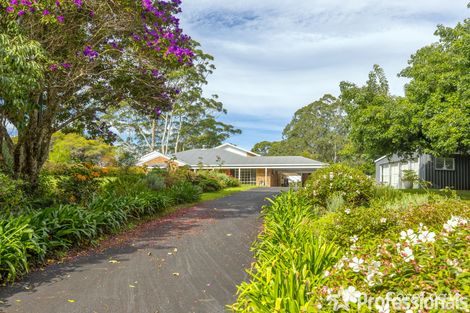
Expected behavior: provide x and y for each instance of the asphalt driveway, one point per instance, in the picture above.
(190, 261)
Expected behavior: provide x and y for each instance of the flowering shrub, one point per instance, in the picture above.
(353, 185)
(80, 183)
(413, 261)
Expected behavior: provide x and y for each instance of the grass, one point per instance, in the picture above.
(463, 194)
(225, 192)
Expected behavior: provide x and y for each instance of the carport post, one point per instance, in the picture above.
(266, 177)
(240, 174)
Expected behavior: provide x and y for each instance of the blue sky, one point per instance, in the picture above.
(275, 56)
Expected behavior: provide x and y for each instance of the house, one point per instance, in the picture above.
(440, 172)
(248, 167)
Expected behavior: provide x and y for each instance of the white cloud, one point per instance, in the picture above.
(274, 56)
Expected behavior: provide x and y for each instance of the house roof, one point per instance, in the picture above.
(223, 158)
(154, 155)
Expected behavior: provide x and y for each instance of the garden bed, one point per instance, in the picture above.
(345, 244)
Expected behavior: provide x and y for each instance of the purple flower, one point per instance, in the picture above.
(66, 65)
(78, 3)
(90, 53)
(10, 9)
(21, 13)
(60, 19)
(53, 67)
(45, 12)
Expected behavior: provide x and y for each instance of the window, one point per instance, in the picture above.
(246, 176)
(445, 164)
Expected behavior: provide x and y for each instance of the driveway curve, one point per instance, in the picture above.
(190, 261)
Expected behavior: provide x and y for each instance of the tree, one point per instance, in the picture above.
(379, 123)
(434, 115)
(65, 63)
(263, 147)
(316, 131)
(190, 123)
(74, 148)
(439, 92)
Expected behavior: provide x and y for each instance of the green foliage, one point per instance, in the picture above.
(290, 260)
(155, 181)
(185, 192)
(17, 244)
(355, 187)
(438, 92)
(317, 130)
(80, 183)
(32, 235)
(12, 196)
(410, 262)
(74, 148)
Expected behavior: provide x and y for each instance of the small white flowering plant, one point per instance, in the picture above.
(411, 261)
(354, 186)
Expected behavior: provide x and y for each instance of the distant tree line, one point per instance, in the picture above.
(366, 122)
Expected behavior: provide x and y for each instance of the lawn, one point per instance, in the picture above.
(225, 192)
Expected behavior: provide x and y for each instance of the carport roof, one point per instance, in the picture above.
(226, 159)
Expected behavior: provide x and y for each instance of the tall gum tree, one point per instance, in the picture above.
(65, 63)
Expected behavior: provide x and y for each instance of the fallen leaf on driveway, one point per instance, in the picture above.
(175, 250)
(71, 300)
(114, 261)
(176, 274)
(229, 235)
(131, 286)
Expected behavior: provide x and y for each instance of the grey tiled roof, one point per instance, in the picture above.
(209, 157)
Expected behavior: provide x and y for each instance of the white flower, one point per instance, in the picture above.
(375, 265)
(385, 308)
(427, 236)
(356, 264)
(454, 222)
(409, 236)
(332, 175)
(326, 273)
(350, 295)
(347, 211)
(354, 239)
(407, 254)
(383, 220)
(409, 311)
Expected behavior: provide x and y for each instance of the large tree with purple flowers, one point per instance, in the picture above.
(66, 62)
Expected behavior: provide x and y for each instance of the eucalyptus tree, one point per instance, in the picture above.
(191, 122)
(65, 63)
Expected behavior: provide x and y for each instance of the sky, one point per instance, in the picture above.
(275, 56)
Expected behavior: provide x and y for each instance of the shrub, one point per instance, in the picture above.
(224, 180)
(64, 226)
(290, 260)
(17, 245)
(411, 262)
(155, 181)
(80, 183)
(354, 186)
(185, 192)
(208, 184)
(12, 196)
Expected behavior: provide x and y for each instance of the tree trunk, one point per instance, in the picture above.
(32, 149)
(154, 135)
